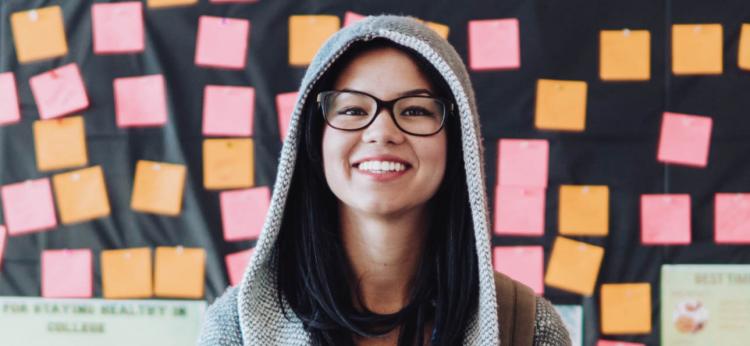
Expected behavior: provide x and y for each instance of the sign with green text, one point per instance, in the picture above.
(61, 322)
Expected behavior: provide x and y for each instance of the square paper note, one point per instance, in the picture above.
(228, 110)
(236, 263)
(81, 195)
(118, 27)
(743, 59)
(9, 111)
(243, 212)
(665, 219)
(285, 103)
(522, 263)
(28, 206)
(140, 101)
(624, 55)
(222, 42)
(584, 210)
(39, 34)
(523, 162)
(732, 218)
(626, 308)
(494, 44)
(126, 273)
(306, 34)
(179, 272)
(60, 143)
(697, 49)
(158, 188)
(519, 210)
(574, 266)
(441, 29)
(685, 139)
(560, 105)
(227, 163)
(67, 273)
(59, 92)
(352, 17)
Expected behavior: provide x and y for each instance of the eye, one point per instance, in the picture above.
(351, 111)
(416, 111)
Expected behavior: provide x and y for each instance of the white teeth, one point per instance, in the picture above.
(381, 166)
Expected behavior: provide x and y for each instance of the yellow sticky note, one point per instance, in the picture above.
(626, 308)
(624, 55)
(60, 143)
(440, 29)
(307, 33)
(158, 188)
(39, 34)
(179, 272)
(574, 266)
(584, 210)
(81, 195)
(170, 3)
(560, 105)
(697, 49)
(227, 163)
(126, 273)
(743, 59)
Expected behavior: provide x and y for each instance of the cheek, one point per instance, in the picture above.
(433, 154)
(335, 151)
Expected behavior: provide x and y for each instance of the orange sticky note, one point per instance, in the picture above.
(732, 218)
(440, 29)
(236, 263)
(285, 103)
(227, 163)
(126, 273)
(697, 49)
(574, 266)
(626, 308)
(624, 55)
(39, 34)
(60, 143)
(665, 219)
(584, 210)
(307, 33)
(170, 3)
(560, 105)
(158, 188)
(179, 272)
(617, 343)
(743, 59)
(81, 195)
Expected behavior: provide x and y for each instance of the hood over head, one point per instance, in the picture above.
(262, 321)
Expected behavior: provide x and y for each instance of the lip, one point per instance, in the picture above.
(383, 177)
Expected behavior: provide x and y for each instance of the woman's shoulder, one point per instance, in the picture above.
(548, 326)
(221, 322)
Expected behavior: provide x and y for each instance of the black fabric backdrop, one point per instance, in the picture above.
(559, 40)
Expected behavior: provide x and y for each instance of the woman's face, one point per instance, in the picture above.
(385, 73)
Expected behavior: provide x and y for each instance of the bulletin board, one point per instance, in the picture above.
(559, 40)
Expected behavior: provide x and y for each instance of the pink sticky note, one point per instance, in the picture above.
(285, 103)
(228, 110)
(519, 210)
(28, 206)
(67, 273)
(117, 27)
(494, 44)
(243, 212)
(618, 343)
(236, 263)
(222, 42)
(9, 111)
(665, 219)
(140, 101)
(732, 218)
(352, 17)
(3, 237)
(522, 263)
(685, 139)
(59, 91)
(523, 162)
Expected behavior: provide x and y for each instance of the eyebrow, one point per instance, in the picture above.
(412, 92)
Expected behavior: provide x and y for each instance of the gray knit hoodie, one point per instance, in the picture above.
(249, 314)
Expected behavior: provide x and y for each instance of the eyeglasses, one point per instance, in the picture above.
(417, 115)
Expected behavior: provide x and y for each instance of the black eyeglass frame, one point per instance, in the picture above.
(383, 104)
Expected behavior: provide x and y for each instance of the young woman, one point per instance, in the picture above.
(378, 231)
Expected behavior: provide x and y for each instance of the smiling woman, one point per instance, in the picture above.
(378, 233)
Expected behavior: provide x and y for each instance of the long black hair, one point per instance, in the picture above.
(313, 273)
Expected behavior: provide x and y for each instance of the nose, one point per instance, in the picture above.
(383, 129)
